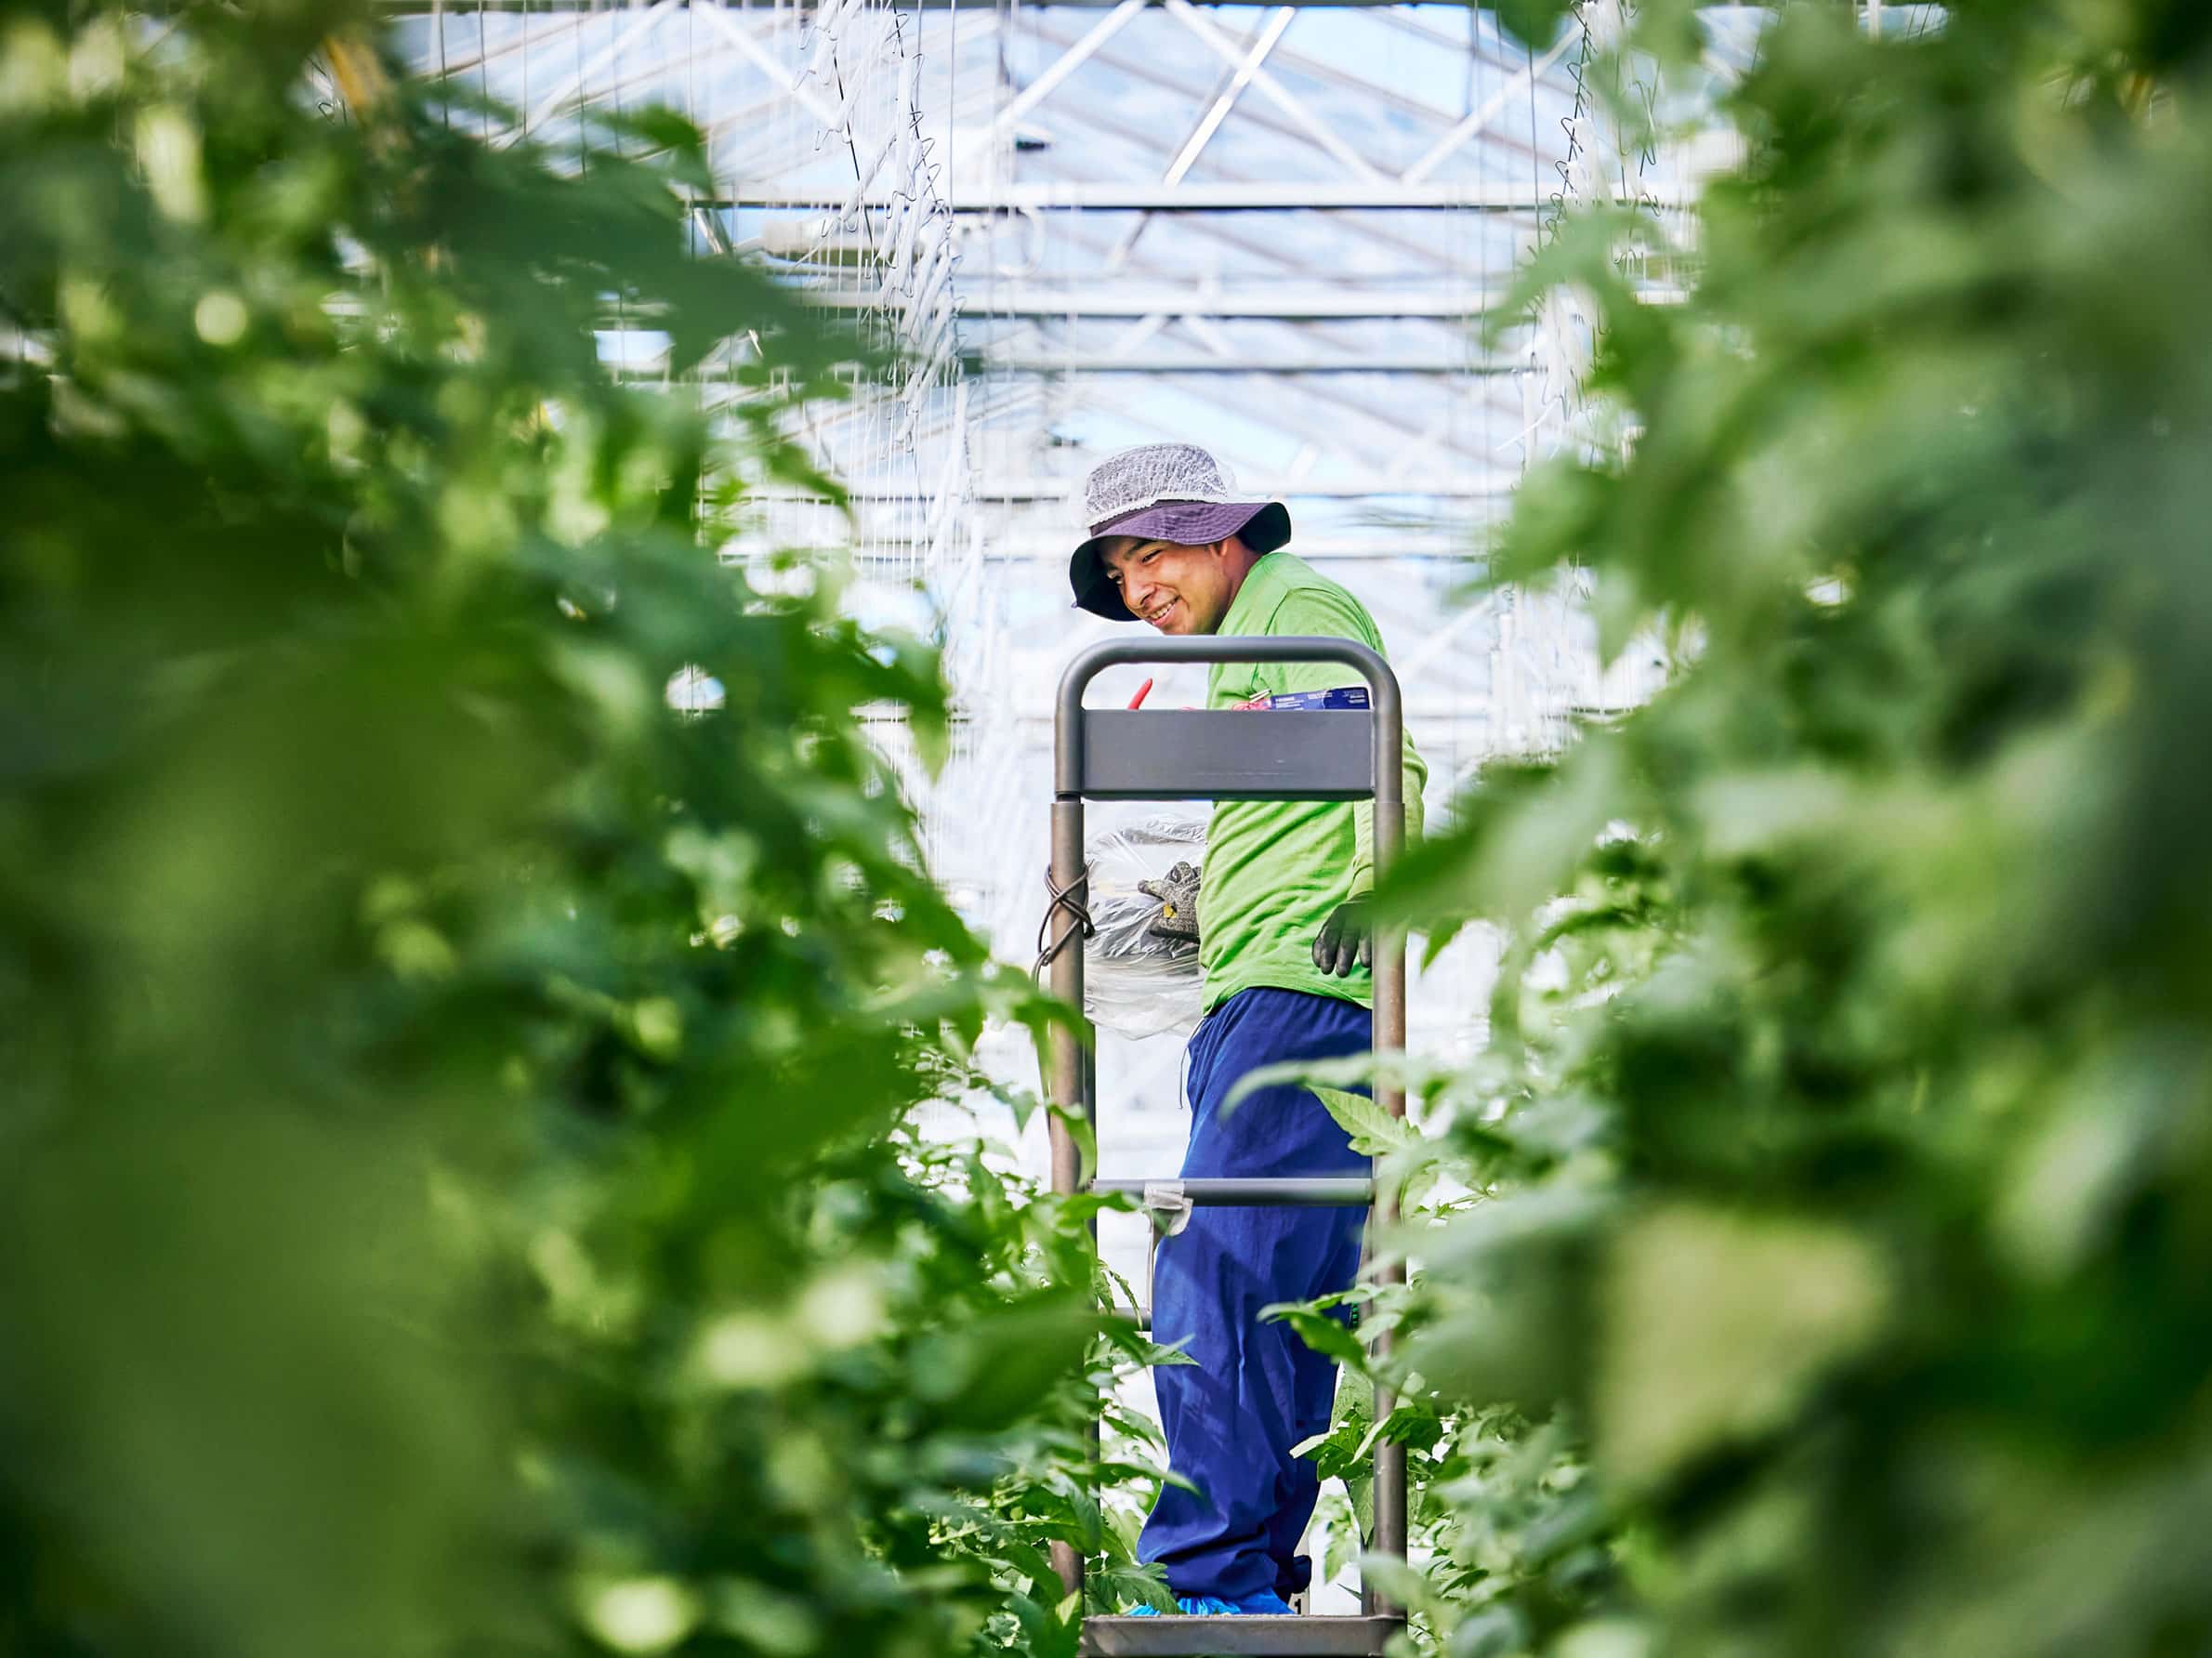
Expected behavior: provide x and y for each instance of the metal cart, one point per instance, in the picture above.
(1218, 754)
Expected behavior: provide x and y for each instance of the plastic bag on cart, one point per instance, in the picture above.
(1135, 982)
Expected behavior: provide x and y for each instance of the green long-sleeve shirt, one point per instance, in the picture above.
(1275, 869)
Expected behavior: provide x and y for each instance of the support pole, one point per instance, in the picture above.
(1389, 1039)
(1068, 1086)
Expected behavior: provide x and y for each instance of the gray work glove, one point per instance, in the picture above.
(1344, 939)
(1179, 903)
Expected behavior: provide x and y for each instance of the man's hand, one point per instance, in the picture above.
(1344, 939)
(1179, 903)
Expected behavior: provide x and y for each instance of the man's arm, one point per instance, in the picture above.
(1343, 939)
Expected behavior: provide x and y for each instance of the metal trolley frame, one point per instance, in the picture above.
(1218, 754)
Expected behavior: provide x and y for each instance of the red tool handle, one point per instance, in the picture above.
(1142, 692)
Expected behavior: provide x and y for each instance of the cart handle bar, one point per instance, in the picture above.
(1382, 686)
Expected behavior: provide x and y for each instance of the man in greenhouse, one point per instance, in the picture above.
(1280, 910)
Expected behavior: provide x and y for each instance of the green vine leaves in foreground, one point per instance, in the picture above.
(1846, 1112)
(451, 1181)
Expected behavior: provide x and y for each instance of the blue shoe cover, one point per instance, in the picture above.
(1194, 1606)
(1267, 1603)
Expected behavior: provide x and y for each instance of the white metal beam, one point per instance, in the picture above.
(1336, 404)
(770, 65)
(1347, 486)
(1066, 64)
(1363, 421)
(1368, 431)
(555, 15)
(1287, 302)
(1333, 548)
(1239, 78)
(1242, 363)
(1430, 713)
(1254, 253)
(1481, 116)
(581, 91)
(1274, 92)
(1316, 402)
(409, 8)
(1377, 95)
(1135, 334)
(1486, 195)
(487, 55)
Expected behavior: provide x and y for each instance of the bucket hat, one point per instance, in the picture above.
(1162, 492)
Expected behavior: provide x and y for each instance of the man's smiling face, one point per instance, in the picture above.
(1177, 589)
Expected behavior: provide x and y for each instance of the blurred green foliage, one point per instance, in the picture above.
(453, 1195)
(1837, 1275)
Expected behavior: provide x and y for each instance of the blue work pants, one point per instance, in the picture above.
(1255, 1389)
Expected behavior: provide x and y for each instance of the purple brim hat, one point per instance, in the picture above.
(1262, 525)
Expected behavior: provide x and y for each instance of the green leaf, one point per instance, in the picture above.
(1323, 1334)
(1375, 1133)
(1535, 22)
(1079, 1129)
(1113, 1589)
(1391, 1576)
(1720, 1324)
(994, 1371)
